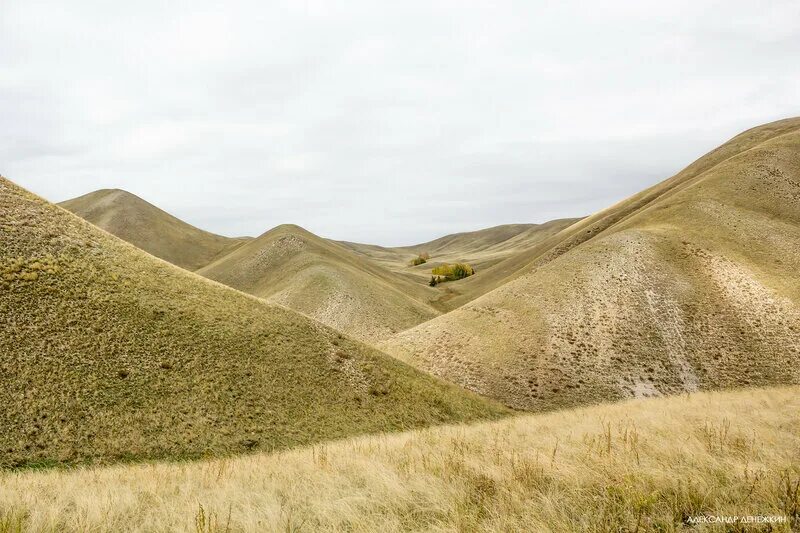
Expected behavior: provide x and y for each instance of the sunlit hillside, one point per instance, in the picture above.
(691, 284)
(109, 354)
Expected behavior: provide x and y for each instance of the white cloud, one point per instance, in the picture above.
(389, 122)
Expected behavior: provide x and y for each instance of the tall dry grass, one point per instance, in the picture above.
(646, 465)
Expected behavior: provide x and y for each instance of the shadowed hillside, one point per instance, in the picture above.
(691, 284)
(108, 353)
(320, 278)
(643, 465)
(155, 231)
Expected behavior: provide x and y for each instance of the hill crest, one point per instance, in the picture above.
(690, 284)
(150, 228)
(109, 354)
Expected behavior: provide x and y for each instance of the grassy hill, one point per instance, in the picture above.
(483, 249)
(155, 231)
(691, 284)
(108, 353)
(642, 465)
(293, 267)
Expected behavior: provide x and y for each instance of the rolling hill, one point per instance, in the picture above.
(691, 284)
(295, 268)
(643, 465)
(365, 290)
(146, 226)
(108, 353)
(481, 249)
(499, 253)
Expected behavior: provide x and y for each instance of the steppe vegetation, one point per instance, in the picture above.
(642, 465)
(421, 259)
(109, 354)
(453, 272)
(319, 278)
(482, 249)
(198, 390)
(692, 284)
(147, 227)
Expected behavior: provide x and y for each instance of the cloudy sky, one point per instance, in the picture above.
(384, 122)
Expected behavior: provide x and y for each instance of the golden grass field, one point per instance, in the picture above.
(640, 465)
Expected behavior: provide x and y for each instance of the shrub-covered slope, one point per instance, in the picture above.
(155, 231)
(691, 284)
(108, 353)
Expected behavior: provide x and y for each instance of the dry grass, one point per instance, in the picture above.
(287, 265)
(144, 225)
(644, 465)
(109, 354)
(319, 278)
(692, 284)
(483, 249)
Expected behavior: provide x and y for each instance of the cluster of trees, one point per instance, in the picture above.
(420, 259)
(447, 272)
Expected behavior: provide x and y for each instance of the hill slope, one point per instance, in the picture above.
(109, 353)
(691, 284)
(483, 249)
(646, 465)
(293, 267)
(155, 231)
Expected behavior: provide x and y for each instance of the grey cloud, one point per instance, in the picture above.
(382, 122)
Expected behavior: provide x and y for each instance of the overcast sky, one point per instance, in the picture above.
(382, 122)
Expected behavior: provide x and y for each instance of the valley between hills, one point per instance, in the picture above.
(290, 382)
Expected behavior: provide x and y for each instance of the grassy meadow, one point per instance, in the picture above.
(641, 465)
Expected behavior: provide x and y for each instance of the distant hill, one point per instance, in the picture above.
(365, 290)
(482, 249)
(107, 354)
(691, 284)
(155, 231)
(320, 278)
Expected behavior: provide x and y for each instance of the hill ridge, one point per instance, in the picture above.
(606, 298)
(322, 279)
(150, 228)
(109, 354)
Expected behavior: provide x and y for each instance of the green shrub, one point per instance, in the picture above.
(420, 259)
(453, 272)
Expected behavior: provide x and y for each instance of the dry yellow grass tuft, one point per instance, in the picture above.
(642, 465)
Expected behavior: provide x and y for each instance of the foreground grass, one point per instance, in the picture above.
(643, 465)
